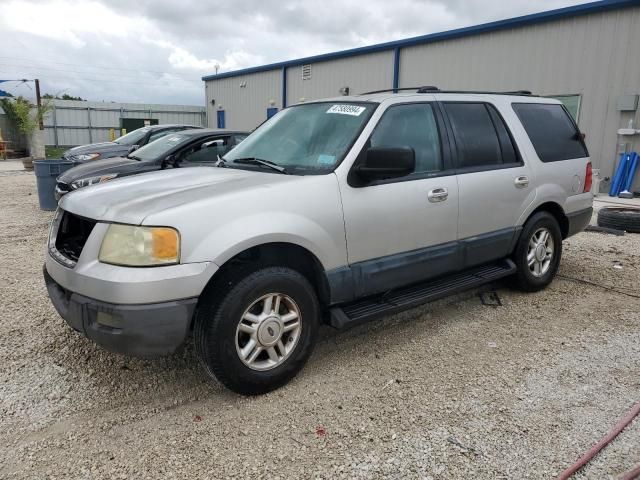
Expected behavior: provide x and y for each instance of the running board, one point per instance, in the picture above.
(402, 299)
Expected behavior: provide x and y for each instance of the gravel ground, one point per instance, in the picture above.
(450, 390)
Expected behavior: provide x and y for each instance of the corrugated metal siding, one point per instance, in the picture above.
(593, 55)
(363, 73)
(245, 106)
(74, 117)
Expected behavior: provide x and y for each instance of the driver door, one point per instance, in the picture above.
(404, 230)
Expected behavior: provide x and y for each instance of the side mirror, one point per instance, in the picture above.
(386, 162)
(133, 148)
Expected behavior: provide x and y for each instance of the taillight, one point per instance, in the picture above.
(588, 178)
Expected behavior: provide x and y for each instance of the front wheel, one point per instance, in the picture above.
(255, 336)
(537, 254)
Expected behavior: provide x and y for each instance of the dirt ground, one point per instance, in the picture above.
(453, 389)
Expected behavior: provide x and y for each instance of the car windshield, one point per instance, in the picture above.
(307, 138)
(133, 138)
(160, 147)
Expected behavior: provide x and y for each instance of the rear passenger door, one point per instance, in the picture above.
(495, 185)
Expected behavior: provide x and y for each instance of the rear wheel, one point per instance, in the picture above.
(538, 252)
(255, 336)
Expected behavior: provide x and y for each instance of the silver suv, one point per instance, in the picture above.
(336, 211)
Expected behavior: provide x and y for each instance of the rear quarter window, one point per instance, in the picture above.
(552, 131)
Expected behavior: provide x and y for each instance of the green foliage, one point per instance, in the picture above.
(18, 111)
(63, 97)
(54, 152)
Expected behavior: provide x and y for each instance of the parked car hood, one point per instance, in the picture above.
(95, 168)
(132, 199)
(105, 149)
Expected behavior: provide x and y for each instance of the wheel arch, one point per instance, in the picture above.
(558, 213)
(282, 254)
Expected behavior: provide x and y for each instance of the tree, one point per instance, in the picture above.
(64, 96)
(25, 116)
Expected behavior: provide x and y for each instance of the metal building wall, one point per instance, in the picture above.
(244, 99)
(595, 56)
(78, 123)
(591, 54)
(363, 73)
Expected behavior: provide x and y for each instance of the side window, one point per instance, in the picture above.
(206, 151)
(411, 125)
(476, 137)
(551, 130)
(160, 134)
(509, 152)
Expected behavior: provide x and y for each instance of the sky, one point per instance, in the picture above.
(156, 51)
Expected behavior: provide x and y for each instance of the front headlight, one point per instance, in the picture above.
(85, 157)
(135, 246)
(85, 182)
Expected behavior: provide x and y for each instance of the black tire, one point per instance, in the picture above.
(620, 218)
(525, 278)
(219, 314)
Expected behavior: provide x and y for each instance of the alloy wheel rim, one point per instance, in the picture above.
(268, 331)
(540, 252)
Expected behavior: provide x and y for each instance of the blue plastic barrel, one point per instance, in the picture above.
(46, 173)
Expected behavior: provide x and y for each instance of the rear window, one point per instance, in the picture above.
(552, 131)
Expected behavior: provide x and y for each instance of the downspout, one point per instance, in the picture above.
(396, 69)
(284, 87)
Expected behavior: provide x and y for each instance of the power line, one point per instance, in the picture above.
(103, 80)
(84, 65)
(76, 73)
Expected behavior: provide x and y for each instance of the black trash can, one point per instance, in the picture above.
(46, 173)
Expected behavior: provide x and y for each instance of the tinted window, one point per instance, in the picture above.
(475, 134)
(207, 150)
(551, 130)
(411, 126)
(161, 147)
(509, 153)
(162, 133)
(133, 138)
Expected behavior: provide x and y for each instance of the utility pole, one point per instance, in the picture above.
(39, 102)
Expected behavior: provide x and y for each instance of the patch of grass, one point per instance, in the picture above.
(54, 152)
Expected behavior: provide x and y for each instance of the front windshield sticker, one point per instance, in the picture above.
(326, 159)
(353, 110)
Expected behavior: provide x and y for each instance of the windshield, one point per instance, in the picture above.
(308, 138)
(133, 138)
(160, 147)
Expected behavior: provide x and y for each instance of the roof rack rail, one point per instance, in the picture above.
(432, 89)
(394, 90)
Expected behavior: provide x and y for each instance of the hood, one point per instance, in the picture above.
(95, 168)
(106, 149)
(132, 199)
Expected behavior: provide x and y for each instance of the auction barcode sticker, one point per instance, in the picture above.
(347, 110)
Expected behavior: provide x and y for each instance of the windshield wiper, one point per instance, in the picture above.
(264, 163)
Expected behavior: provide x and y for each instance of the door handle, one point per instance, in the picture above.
(521, 182)
(438, 195)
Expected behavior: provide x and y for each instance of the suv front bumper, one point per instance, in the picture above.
(141, 330)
